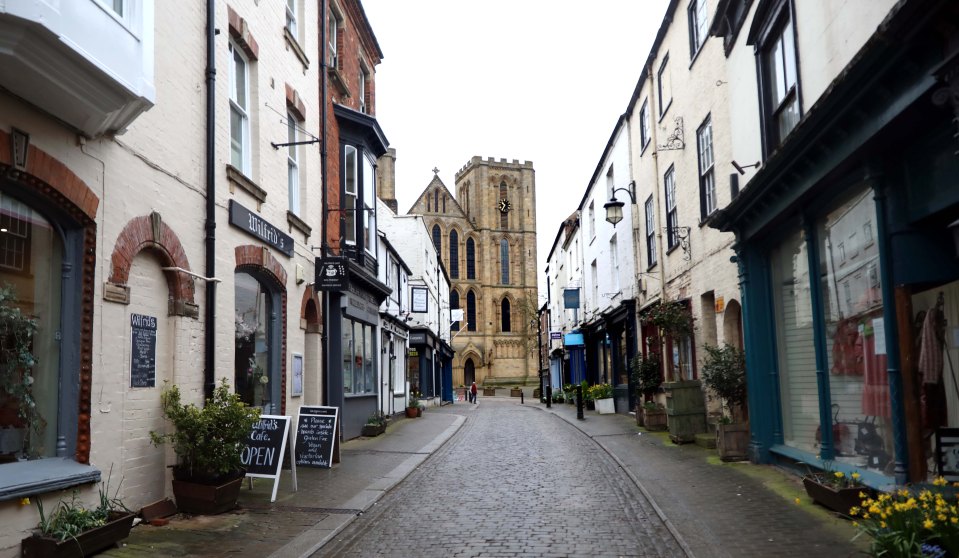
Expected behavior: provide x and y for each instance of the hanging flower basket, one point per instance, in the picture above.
(673, 318)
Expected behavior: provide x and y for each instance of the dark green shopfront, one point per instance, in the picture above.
(847, 240)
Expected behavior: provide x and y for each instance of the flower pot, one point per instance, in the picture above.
(206, 499)
(85, 544)
(372, 430)
(836, 499)
(732, 441)
(605, 406)
(654, 419)
(412, 412)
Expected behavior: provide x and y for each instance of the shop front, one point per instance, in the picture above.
(425, 365)
(850, 280)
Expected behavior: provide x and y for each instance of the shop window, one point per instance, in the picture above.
(796, 358)
(855, 334)
(256, 375)
(31, 411)
(359, 358)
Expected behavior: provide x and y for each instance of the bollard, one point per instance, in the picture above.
(579, 402)
(521, 397)
(549, 397)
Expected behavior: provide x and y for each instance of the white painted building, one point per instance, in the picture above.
(394, 326)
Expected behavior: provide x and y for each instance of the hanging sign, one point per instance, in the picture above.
(420, 299)
(555, 335)
(315, 436)
(332, 274)
(143, 351)
(571, 299)
(255, 225)
(262, 454)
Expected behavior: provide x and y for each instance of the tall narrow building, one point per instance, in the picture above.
(486, 238)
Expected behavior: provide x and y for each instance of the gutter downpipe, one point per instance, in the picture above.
(324, 246)
(209, 373)
(661, 254)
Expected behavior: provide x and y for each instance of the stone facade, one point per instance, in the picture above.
(495, 201)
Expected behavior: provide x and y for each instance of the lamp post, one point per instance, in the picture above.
(614, 207)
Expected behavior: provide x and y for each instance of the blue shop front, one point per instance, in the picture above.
(430, 366)
(848, 247)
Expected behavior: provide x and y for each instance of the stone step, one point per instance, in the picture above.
(707, 440)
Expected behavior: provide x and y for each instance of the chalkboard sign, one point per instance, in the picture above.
(263, 450)
(315, 435)
(143, 351)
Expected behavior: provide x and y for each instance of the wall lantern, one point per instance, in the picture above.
(614, 207)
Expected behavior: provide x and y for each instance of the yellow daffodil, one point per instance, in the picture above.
(24, 501)
(798, 501)
(928, 524)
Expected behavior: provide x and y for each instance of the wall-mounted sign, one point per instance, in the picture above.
(143, 351)
(420, 299)
(360, 305)
(571, 299)
(417, 338)
(297, 388)
(332, 274)
(254, 225)
(556, 335)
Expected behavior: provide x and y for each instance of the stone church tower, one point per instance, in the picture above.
(486, 236)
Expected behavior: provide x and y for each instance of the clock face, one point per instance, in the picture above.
(504, 205)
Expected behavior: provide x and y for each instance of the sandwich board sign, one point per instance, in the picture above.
(315, 436)
(262, 455)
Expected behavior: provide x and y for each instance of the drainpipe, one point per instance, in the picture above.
(209, 373)
(324, 247)
(659, 229)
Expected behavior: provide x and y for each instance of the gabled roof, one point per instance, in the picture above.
(419, 206)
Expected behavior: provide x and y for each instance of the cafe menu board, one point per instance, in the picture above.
(315, 436)
(143, 351)
(262, 453)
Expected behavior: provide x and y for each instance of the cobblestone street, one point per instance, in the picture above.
(515, 481)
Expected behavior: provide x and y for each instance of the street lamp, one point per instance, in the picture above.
(614, 207)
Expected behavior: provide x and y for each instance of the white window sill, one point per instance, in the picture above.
(29, 478)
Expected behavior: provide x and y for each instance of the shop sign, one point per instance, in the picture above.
(420, 299)
(256, 226)
(571, 299)
(417, 339)
(263, 452)
(315, 434)
(360, 305)
(555, 335)
(332, 274)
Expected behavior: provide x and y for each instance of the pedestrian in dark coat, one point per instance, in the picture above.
(473, 393)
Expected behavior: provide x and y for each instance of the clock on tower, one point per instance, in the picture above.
(504, 205)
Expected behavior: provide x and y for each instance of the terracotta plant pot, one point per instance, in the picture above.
(85, 544)
(412, 412)
(206, 499)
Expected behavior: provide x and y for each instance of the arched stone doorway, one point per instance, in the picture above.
(733, 324)
(469, 372)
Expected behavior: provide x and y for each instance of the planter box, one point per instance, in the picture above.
(732, 441)
(654, 420)
(537, 393)
(205, 499)
(489, 392)
(837, 499)
(605, 406)
(85, 544)
(686, 409)
(515, 392)
(371, 430)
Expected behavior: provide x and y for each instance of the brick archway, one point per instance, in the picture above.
(49, 180)
(258, 258)
(149, 232)
(309, 310)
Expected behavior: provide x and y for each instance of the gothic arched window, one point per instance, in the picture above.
(454, 255)
(504, 318)
(470, 311)
(470, 259)
(504, 261)
(437, 239)
(455, 305)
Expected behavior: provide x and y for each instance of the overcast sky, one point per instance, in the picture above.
(533, 80)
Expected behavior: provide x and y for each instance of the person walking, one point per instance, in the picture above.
(473, 393)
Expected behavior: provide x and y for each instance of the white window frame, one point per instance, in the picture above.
(362, 94)
(291, 17)
(332, 27)
(650, 233)
(644, 127)
(293, 164)
(698, 24)
(592, 220)
(672, 213)
(707, 175)
(350, 197)
(369, 204)
(237, 55)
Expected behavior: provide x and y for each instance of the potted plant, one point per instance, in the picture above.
(516, 391)
(724, 372)
(901, 524)
(19, 417)
(413, 407)
(72, 529)
(602, 396)
(654, 415)
(647, 376)
(207, 442)
(836, 490)
(376, 424)
(559, 397)
(489, 391)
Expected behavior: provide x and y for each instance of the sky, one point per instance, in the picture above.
(533, 80)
